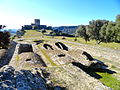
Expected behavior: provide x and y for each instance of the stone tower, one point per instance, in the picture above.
(37, 21)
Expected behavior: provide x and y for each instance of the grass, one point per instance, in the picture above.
(110, 81)
(17, 58)
(112, 45)
(36, 34)
(32, 34)
(46, 56)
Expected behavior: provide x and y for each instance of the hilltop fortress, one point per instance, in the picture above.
(70, 30)
(36, 25)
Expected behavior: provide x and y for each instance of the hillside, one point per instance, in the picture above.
(40, 62)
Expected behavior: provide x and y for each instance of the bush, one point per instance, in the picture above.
(4, 39)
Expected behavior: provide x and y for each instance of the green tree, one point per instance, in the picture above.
(4, 38)
(43, 31)
(117, 28)
(110, 32)
(103, 33)
(118, 18)
(82, 32)
(94, 29)
(2, 26)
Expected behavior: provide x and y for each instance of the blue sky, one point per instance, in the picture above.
(15, 13)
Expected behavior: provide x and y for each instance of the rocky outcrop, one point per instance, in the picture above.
(53, 78)
(20, 80)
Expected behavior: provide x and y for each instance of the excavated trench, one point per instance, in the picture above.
(89, 57)
(38, 41)
(87, 63)
(25, 48)
(27, 55)
(48, 47)
(61, 46)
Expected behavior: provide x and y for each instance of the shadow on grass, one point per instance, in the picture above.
(92, 72)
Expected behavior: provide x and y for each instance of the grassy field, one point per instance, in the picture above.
(112, 45)
(32, 34)
(39, 35)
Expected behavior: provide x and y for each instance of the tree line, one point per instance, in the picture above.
(101, 31)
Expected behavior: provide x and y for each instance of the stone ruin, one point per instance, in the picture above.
(25, 56)
(61, 46)
(76, 56)
(38, 41)
(25, 48)
(73, 74)
(10, 79)
(47, 46)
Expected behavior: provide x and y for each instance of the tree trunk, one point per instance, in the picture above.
(98, 42)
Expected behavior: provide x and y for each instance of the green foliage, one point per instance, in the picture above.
(20, 33)
(53, 34)
(118, 18)
(43, 31)
(110, 31)
(101, 31)
(82, 32)
(94, 29)
(117, 32)
(4, 38)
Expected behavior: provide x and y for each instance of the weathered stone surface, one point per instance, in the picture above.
(2, 53)
(73, 78)
(23, 59)
(6, 55)
(31, 57)
(25, 48)
(20, 80)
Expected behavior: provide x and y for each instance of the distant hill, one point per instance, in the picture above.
(12, 31)
(70, 30)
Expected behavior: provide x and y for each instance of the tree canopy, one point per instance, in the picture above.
(101, 31)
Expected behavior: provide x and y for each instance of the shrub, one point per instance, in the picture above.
(4, 39)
